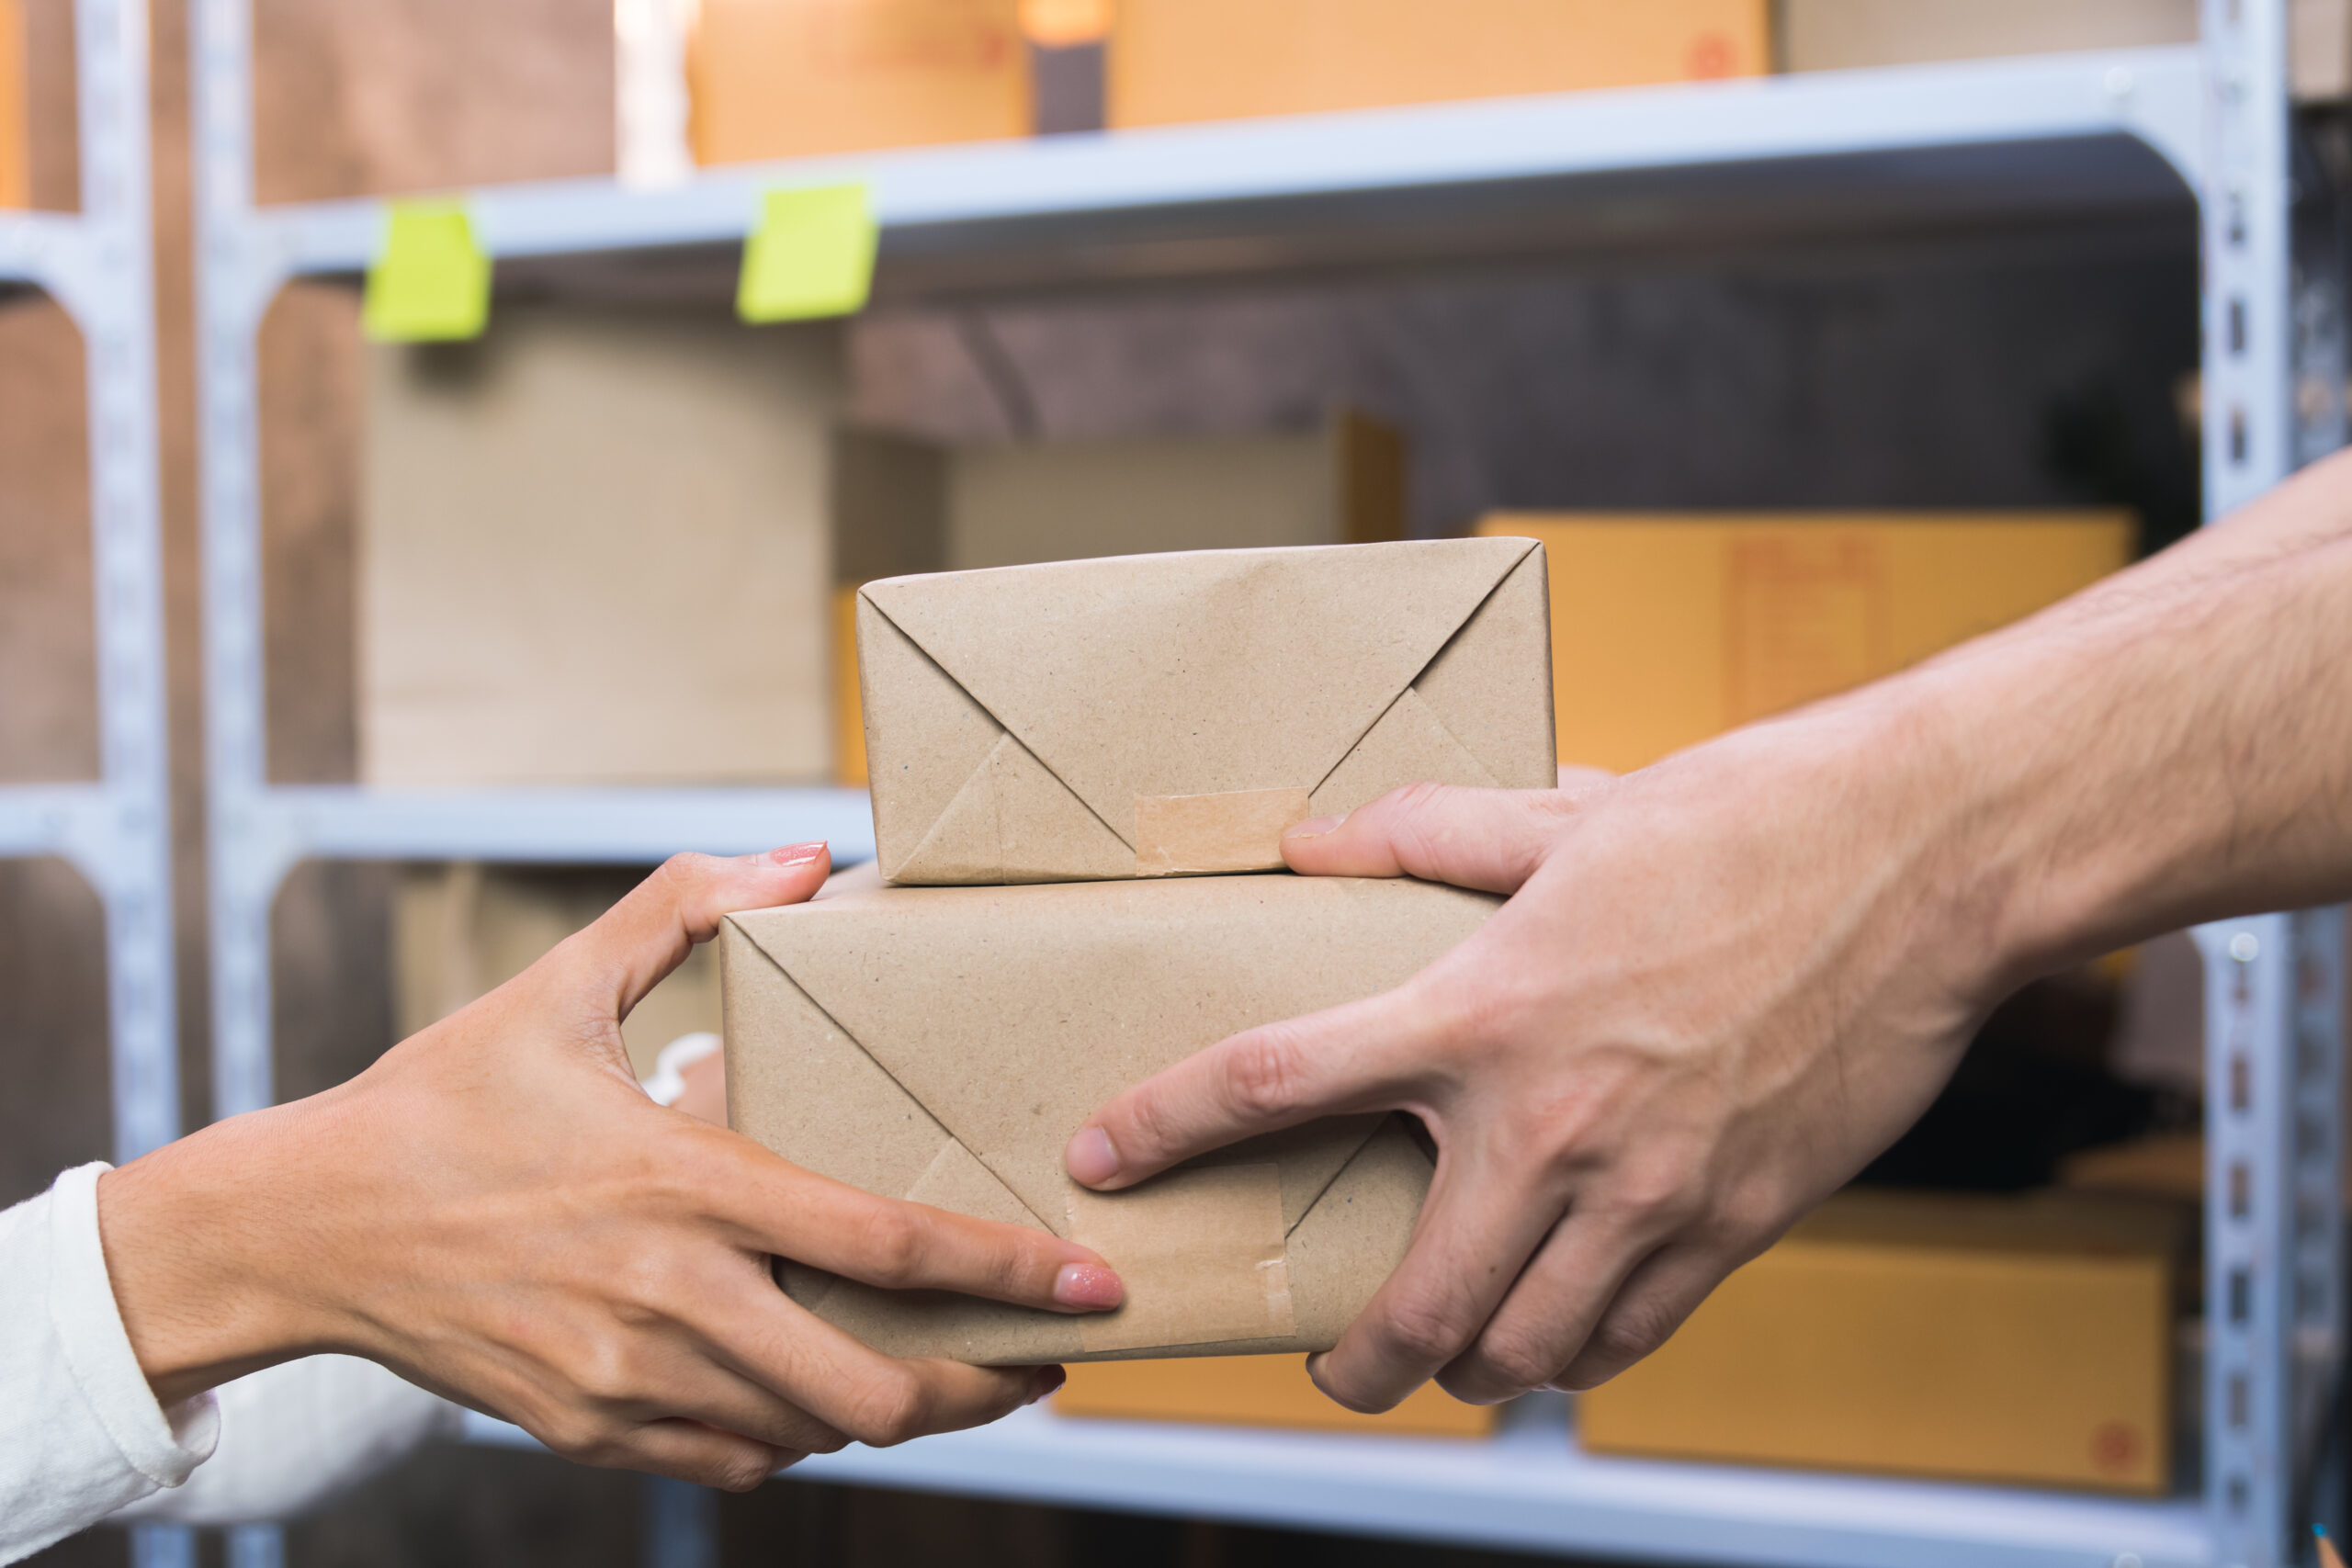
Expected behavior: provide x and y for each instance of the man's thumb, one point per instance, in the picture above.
(1491, 839)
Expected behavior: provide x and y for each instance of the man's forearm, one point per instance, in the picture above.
(2172, 746)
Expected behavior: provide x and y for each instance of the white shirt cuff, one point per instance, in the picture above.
(163, 1445)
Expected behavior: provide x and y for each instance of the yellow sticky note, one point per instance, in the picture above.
(431, 282)
(812, 255)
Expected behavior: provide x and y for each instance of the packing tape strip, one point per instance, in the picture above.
(1202, 1253)
(1240, 830)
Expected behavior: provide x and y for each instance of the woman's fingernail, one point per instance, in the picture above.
(1314, 828)
(1047, 1379)
(1090, 1157)
(1087, 1285)
(797, 855)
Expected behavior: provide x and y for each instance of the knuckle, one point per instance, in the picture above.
(1520, 1360)
(742, 1471)
(1422, 1329)
(1261, 1078)
(1626, 1337)
(579, 1437)
(891, 1242)
(895, 1409)
(604, 1369)
(685, 869)
(1146, 1130)
(825, 1441)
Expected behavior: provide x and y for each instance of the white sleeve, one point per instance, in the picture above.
(81, 1433)
(296, 1434)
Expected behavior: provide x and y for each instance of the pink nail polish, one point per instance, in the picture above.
(1087, 1285)
(796, 854)
(1314, 828)
(1090, 1157)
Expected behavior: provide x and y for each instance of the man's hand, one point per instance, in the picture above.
(497, 1211)
(1724, 983)
(1636, 1074)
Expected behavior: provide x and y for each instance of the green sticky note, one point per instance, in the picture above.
(812, 255)
(431, 282)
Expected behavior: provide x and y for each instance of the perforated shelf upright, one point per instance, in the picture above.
(97, 264)
(2205, 129)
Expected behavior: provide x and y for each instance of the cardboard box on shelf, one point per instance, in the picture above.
(1171, 714)
(16, 113)
(1838, 34)
(1254, 1390)
(903, 505)
(595, 550)
(2017, 1340)
(1011, 1012)
(460, 930)
(793, 78)
(1178, 60)
(1669, 628)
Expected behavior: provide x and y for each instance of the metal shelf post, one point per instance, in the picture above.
(2274, 362)
(98, 264)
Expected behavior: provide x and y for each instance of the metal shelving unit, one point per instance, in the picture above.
(98, 264)
(2205, 128)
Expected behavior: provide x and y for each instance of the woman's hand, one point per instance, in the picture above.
(497, 1211)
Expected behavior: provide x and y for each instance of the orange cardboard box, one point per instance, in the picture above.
(15, 116)
(1178, 60)
(1669, 628)
(1253, 1390)
(793, 78)
(2022, 1339)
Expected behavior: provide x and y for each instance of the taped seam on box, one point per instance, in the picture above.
(1238, 829)
(1204, 1253)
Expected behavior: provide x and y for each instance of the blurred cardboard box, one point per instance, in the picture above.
(461, 931)
(1669, 628)
(903, 505)
(1172, 714)
(16, 113)
(1840, 35)
(427, 95)
(792, 78)
(1178, 60)
(2015, 1339)
(1005, 1016)
(1254, 1390)
(594, 551)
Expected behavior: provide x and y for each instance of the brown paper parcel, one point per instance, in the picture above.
(943, 1045)
(1152, 715)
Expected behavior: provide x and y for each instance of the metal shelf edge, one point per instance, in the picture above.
(1529, 1488)
(2152, 94)
(613, 825)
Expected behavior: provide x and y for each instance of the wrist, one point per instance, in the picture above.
(202, 1239)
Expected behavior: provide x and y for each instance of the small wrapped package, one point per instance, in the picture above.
(1154, 716)
(943, 1045)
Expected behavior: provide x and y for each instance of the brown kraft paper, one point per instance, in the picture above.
(1201, 1252)
(1238, 831)
(943, 1045)
(1036, 723)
